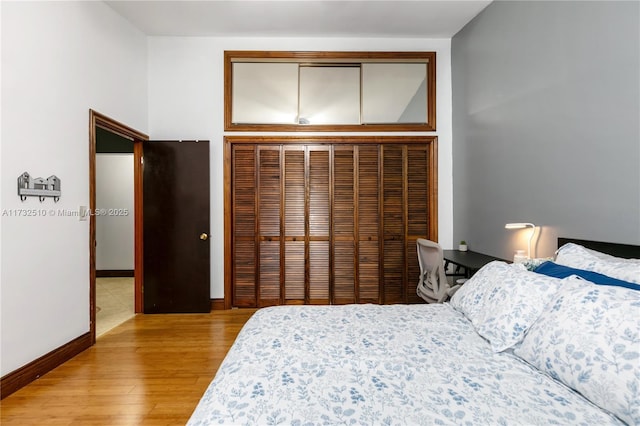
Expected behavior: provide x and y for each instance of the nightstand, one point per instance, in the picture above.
(469, 261)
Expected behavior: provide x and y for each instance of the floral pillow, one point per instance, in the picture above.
(532, 264)
(589, 339)
(502, 301)
(577, 256)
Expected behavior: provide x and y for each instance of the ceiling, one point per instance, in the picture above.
(303, 18)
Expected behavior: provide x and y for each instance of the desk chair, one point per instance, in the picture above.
(433, 286)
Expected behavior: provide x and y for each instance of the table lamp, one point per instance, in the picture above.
(521, 225)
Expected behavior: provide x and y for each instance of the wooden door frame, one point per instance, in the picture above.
(97, 119)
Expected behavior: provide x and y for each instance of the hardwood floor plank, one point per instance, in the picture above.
(151, 370)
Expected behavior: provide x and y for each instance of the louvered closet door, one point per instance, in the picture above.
(307, 211)
(417, 213)
(295, 225)
(244, 225)
(368, 221)
(405, 218)
(344, 226)
(393, 224)
(356, 225)
(319, 224)
(269, 203)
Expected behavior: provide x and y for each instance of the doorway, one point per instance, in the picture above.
(99, 122)
(115, 241)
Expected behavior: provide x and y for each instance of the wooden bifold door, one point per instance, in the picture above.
(327, 220)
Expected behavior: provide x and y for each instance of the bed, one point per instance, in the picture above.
(512, 346)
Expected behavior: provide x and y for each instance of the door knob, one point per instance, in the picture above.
(204, 236)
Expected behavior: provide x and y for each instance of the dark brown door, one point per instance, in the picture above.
(176, 227)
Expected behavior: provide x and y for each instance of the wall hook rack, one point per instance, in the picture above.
(39, 187)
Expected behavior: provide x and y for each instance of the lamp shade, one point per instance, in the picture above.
(518, 225)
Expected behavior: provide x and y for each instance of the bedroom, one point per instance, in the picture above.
(527, 142)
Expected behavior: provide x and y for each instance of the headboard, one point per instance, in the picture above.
(626, 251)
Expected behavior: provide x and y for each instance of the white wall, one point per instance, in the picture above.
(115, 230)
(186, 102)
(59, 59)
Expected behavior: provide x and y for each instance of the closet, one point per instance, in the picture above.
(327, 220)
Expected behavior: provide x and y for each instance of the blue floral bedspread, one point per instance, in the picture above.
(380, 365)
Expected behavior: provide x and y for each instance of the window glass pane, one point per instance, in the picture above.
(394, 93)
(265, 93)
(329, 95)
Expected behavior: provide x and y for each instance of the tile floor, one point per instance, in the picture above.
(114, 302)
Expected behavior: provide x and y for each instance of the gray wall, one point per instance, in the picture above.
(546, 124)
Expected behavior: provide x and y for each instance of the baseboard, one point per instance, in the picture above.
(112, 273)
(217, 304)
(21, 377)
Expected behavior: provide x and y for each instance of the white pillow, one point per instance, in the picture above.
(589, 339)
(531, 264)
(503, 301)
(577, 256)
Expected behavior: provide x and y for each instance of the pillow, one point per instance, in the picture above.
(577, 256)
(502, 301)
(560, 271)
(589, 339)
(532, 264)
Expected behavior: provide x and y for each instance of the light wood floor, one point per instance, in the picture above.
(151, 370)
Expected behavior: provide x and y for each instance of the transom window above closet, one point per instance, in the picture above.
(329, 91)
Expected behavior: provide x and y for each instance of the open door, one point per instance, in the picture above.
(176, 226)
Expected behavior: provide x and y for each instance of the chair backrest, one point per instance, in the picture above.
(432, 285)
